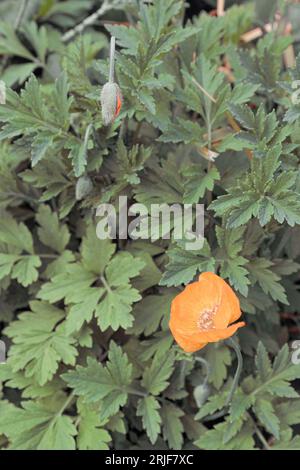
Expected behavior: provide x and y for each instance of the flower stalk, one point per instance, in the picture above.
(235, 382)
(112, 59)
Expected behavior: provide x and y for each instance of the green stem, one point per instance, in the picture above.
(47, 256)
(40, 255)
(105, 283)
(259, 434)
(138, 393)
(238, 372)
(235, 382)
(65, 405)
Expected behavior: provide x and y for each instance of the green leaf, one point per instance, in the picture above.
(91, 435)
(10, 43)
(63, 286)
(269, 281)
(39, 345)
(183, 265)
(96, 253)
(155, 377)
(106, 384)
(83, 311)
(16, 235)
(218, 357)
(41, 145)
(150, 312)
(213, 404)
(266, 415)
(25, 270)
(197, 183)
(78, 153)
(232, 264)
(239, 405)
(37, 426)
(263, 362)
(51, 232)
(172, 425)
(213, 439)
(275, 381)
(147, 409)
(115, 309)
(61, 100)
(244, 115)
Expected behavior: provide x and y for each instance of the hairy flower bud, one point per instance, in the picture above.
(111, 101)
(201, 394)
(84, 186)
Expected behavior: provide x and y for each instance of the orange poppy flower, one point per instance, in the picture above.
(202, 312)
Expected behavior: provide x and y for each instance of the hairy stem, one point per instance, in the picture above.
(112, 59)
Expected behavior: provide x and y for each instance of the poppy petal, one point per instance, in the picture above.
(119, 106)
(187, 307)
(229, 310)
(229, 307)
(214, 335)
(188, 343)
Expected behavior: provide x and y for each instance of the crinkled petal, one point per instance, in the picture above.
(211, 336)
(229, 307)
(187, 307)
(188, 343)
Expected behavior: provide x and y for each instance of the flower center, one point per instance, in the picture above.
(206, 319)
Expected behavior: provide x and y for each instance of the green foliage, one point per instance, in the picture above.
(258, 394)
(206, 119)
(108, 384)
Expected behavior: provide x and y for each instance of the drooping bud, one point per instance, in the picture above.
(111, 102)
(201, 394)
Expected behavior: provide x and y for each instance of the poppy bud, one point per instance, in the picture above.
(201, 394)
(111, 102)
(84, 186)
